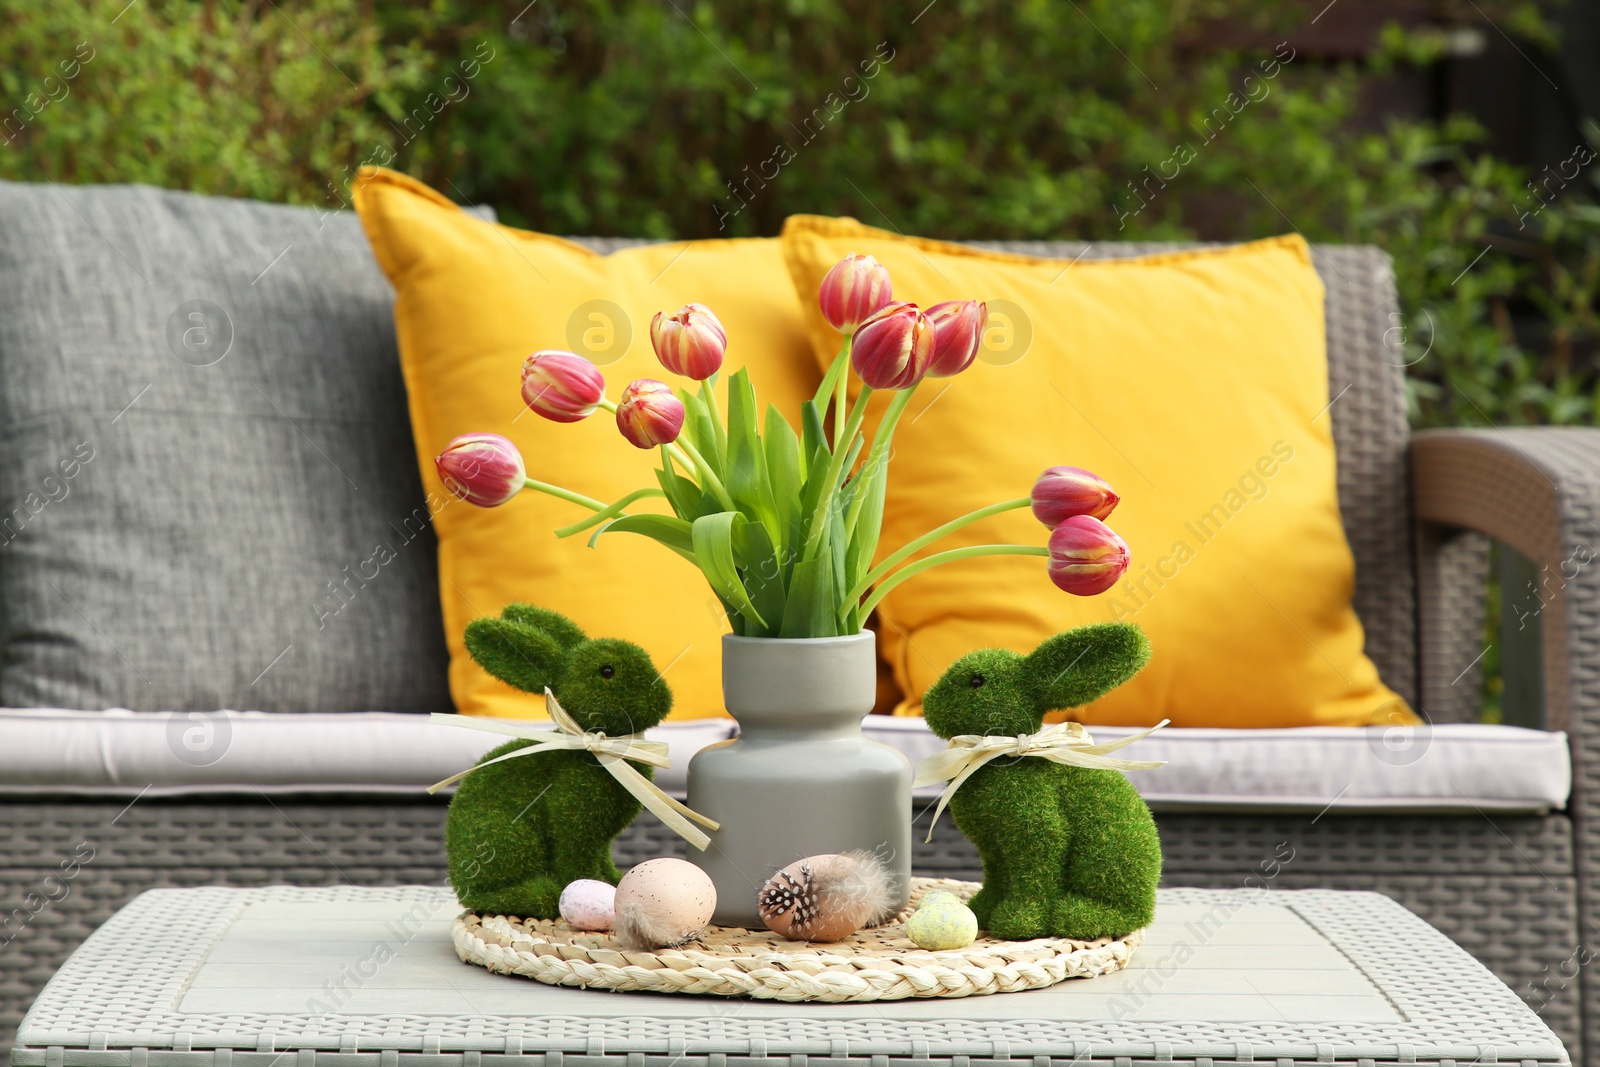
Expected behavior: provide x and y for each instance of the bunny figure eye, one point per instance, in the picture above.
(976, 681)
(607, 671)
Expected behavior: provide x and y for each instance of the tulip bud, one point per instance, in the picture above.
(482, 468)
(690, 341)
(1086, 556)
(856, 287)
(891, 348)
(957, 335)
(562, 386)
(648, 414)
(1062, 492)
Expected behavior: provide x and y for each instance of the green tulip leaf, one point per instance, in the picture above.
(739, 624)
(713, 549)
(785, 476)
(708, 401)
(874, 482)
(806, 613)
(814, 448)
(761, 573)
(814, 456)
(747, 460)
(839, 543)
(684, 495)
(701, 431)
(669, 530)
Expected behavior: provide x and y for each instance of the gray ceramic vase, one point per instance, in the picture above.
(799, 780)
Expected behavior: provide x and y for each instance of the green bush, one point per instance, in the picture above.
(1089, 121)
(1097, 120)
(259, 100)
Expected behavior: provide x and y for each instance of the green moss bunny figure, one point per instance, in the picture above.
(1068, 851)
(518, 831)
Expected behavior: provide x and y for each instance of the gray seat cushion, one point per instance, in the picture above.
(210, 498)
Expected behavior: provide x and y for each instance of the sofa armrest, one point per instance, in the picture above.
(1538, 491)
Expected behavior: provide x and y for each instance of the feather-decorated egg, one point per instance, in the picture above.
(662, 903)
(828, 897)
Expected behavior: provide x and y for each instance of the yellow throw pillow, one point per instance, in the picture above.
(472, 300)
(1197, 384)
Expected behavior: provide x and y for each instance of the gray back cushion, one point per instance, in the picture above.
(210, 493)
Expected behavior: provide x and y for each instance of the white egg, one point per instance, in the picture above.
(589, 904)
(662, 903)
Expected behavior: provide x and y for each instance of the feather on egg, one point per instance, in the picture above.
(827, 897)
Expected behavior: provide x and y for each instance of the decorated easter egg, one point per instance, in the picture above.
(589, 904)
(826, 898)
(933, 896)
(942, 925)
(662, 903)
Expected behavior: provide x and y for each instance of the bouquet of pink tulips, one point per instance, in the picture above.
(785, 524)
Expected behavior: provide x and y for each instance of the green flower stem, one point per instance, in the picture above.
(938, 559)
(564, 494)
(717, 426)
(610, 512)
(835, 469)
(690, 456)
(830, 380)
(927, 539)
(685, 453)
(879, 453)
(841, 391)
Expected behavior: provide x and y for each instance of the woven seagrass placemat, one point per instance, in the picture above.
(879, 963)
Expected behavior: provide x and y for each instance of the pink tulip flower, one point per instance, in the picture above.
(957, 335)
(562, 386)
(648, 414)
(482, 468)
(892, 347)
(690, 341)
(856, 287)
(1086, 556)
(1062, 492)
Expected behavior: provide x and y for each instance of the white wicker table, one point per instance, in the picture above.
(354, 977)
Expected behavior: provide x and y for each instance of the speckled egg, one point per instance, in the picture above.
(822, 898)
(942, 926)
(661, 903)
(933, 896)
(589, 904)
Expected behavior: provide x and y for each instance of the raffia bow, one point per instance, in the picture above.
(612, 752)
(1064, 742)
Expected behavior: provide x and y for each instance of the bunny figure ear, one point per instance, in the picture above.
(564, 630)
(1083, 664)
(521, 656)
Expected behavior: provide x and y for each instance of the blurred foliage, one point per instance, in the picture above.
(254, 99)
(1097, 119)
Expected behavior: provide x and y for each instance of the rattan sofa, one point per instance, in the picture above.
(1520, 891)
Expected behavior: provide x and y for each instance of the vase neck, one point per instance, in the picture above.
(798, 725)
(811, 687)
